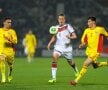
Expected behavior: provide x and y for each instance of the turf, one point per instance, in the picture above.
(35, 76)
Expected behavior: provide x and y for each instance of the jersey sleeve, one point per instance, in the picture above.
(104, 32)
(84, 37)
(70, 28)
(26, 39)
(13, 37)
(34, 39)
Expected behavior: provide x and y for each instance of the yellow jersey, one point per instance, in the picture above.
(30, 40)
(2, 41)
(94, 38)
(8, 39)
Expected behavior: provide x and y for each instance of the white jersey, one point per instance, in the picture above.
(62, 40)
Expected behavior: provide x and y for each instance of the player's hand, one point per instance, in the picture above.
(68, 36)
(81, 45)
(73, 36)
(8, 40)
(107, 38)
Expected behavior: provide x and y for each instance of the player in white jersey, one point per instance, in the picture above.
(62, 45)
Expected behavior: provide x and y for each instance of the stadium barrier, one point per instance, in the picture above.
(76, 52)
(45, 53)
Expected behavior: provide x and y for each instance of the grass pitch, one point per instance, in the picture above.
(35, 76)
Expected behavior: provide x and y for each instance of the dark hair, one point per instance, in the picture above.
(61, 15)
(6, 18)
(92, 18)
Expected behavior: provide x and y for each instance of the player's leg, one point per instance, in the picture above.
(32, 54)
(84, 68)
(69, 57)
(10, 71)
(10, 60)
(2, 66)
(29, 55)
(92, 56)
(73, 65)
(54, 66)
(83, 71)
(99, 64)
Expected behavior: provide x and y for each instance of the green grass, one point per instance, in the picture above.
(35, 76)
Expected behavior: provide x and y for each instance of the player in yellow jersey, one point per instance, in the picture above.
(8, 39)
(30, 44)
(93, 38)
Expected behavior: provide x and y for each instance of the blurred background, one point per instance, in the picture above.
(39, 15)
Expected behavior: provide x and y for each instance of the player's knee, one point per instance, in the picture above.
(71, 63)
(10, 64)
(87, 63)
(2, 57)
(85, 67)
(55, 57)
(95, 65)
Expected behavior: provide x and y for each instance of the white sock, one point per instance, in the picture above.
(54, 73)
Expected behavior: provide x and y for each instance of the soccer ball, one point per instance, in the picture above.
(53, 30)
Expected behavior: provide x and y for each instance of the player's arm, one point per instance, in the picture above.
(72, 36)
(35, 41)
(83, 39)
(81, 45)
(104, 32)
(51, 41)
(13, 38)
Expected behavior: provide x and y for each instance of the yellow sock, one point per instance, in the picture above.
(3, 70)
(102, 64)
(9, 70)
(82, 72)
